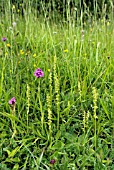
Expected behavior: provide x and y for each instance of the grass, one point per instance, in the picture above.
(68, 114)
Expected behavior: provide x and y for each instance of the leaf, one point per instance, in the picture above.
(8, 152)
(13, 118)
(58, 145)
(3, 166)
(11, 154)
(58, 134)
(16, 167)
(70, 137)
(39, 134)
(105, 109)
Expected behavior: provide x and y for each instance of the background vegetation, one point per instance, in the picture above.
(64, 120)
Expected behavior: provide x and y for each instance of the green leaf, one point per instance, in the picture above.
(11, 154)
(16, 167)
(58, 134)
(105, 109)
(8, 152)
(13, 118)
(58, 145)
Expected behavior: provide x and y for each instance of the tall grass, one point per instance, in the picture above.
(67, 115)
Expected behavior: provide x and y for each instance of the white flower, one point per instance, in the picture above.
(14, 24)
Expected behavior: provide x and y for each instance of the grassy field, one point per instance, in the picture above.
(62, 119)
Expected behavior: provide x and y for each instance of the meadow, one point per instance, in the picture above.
(56, 92)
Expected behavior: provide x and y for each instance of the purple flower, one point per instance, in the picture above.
(12, 101)
(39, 73)
(4, 38)
(52, 161)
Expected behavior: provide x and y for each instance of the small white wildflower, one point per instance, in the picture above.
(14, 24)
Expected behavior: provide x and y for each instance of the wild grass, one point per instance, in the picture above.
(68, 114)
